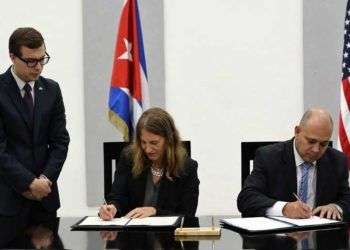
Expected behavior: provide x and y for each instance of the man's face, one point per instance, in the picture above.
(311, 140)
(21, 68)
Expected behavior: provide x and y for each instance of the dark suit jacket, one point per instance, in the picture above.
(274, 179)
(27, 151)
(178, 196)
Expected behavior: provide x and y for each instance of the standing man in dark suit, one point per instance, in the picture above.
(33, 136)
(303, 167)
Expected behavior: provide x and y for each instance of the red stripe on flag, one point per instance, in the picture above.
(346, 90)
(343, 136)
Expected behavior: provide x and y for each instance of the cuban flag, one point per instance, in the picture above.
(128, 96)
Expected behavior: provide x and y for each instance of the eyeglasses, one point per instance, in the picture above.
(31, 63)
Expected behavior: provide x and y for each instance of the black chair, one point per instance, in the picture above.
(111, 153)
(247, 156)
(248, 153)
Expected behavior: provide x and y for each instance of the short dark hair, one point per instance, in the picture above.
(28, 37)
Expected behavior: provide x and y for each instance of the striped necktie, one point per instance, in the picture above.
(303, 185)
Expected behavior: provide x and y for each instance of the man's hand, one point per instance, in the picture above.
(28, 195)
(108, 235)
(141, 212)
(40, 188)
(45, 178)
(297, 210)
(329, 211)
(107, 212)
(299, 236)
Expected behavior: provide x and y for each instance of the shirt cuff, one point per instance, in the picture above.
(340, 210)
(276, 209)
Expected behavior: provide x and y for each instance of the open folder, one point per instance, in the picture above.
(94, 222)
(274, 224)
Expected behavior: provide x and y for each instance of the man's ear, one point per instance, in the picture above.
(297, 130)
(12, 57)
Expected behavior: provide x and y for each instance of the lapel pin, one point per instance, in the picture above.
(40, 88)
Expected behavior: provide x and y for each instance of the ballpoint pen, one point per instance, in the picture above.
(297, 197)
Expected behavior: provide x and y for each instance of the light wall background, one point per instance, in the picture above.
(234, 71)
(322, 52)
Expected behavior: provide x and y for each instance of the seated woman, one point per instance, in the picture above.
(154, 176)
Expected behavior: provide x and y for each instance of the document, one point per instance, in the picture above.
(97, 221)
(256, 223)
(313, 221)
(155, 221)
(266, 224)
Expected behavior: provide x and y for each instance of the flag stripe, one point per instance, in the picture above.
(140, 44)
(128, 95)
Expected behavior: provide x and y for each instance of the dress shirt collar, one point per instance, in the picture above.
(19, 81)
(297, 157)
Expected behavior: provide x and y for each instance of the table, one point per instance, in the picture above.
(58, 235)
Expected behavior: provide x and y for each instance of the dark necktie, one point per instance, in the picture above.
(28, 100)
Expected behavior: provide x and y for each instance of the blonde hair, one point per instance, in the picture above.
(159, 122)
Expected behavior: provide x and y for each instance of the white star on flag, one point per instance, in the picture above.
(127, 54)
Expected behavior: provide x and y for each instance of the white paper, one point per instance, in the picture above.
(97, 221)
(154, 221)
(256, 223)
(313, 221)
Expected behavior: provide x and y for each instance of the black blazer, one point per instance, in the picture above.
(27, 151)
(274, 179)
(177, 197)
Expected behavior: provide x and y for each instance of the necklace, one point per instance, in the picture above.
(157, 171)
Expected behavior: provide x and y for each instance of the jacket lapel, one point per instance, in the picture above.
(322, 178)
(39, 97)
(15, 96)
(291, 174)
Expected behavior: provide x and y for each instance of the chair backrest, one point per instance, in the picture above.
(111, 153)
(248, 153)
(247, 156)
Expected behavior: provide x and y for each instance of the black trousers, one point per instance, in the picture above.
(32, 213)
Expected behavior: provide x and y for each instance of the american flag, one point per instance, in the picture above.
(344, 117)
(128, 96)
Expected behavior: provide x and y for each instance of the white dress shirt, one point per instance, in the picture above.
(21, 83)
(276, 209)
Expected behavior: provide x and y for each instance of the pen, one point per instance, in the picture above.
(182, 222)
(297, 197)
(212, 222)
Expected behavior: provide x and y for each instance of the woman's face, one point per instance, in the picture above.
(153, 145)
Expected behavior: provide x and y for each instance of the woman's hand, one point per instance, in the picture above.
(107, 212)
(141, 212)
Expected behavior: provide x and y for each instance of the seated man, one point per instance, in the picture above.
(300, 177)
